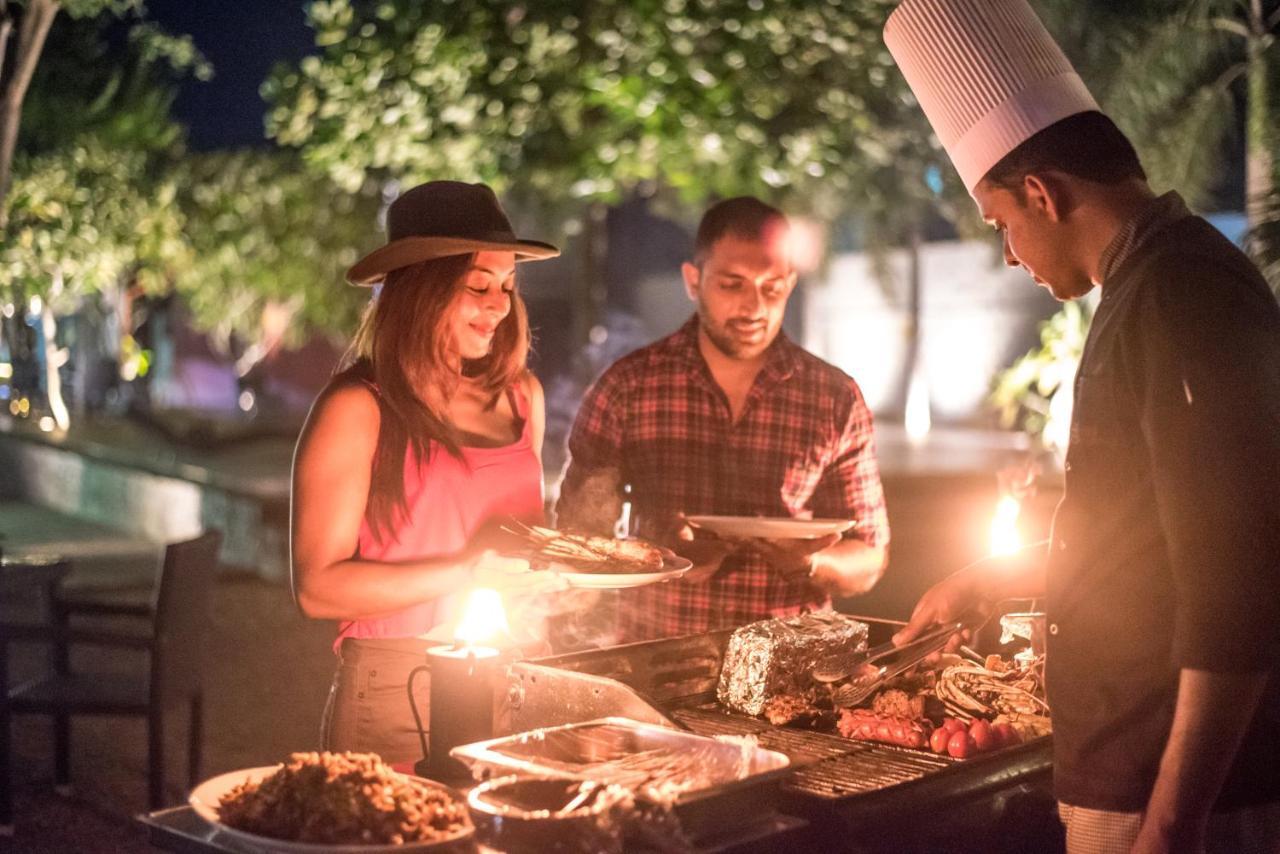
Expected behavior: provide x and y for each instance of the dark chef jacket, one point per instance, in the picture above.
(1166, 546)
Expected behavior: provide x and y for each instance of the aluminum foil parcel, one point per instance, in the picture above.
(778, 656)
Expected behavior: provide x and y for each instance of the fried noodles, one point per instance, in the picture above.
(344, 798)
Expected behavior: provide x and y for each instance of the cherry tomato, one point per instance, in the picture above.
(1007, 734)
(953, 725)
(938, 741)
(983, 738)
(960, 745)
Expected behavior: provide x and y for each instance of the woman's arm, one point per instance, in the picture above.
(331, 475)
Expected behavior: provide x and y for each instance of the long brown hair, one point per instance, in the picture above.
(405, 348)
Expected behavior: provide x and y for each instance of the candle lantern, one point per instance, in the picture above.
(462, 680)
(463, 675)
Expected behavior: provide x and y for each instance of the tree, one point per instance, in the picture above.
(567, 105)
(28, 41)
(84, 221)
(1189, 76)
(89, 213)
(269, 243)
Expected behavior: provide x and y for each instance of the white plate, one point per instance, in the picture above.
(204, 799)
(673, 566)
(770, 527)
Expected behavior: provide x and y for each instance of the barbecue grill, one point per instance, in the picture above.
(855, 795)
(842, 795)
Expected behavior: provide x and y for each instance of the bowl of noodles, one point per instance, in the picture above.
(333, 802)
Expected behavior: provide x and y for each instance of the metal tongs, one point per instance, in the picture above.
(866, 675)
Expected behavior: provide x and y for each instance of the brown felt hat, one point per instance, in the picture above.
(439, 219)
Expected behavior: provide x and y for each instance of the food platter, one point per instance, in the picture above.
(598, 563)
(770, 527)
(673, 566)
(206, 797)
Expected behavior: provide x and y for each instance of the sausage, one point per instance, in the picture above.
(866, 725)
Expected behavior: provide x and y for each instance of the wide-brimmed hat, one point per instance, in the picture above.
(442, 218)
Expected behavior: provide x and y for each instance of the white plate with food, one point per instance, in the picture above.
(770, 527)
(601, 563)
(614, 577)
(259, 809)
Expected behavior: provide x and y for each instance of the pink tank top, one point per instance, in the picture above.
(448, 501)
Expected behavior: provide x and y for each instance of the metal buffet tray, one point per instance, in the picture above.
(717, 781)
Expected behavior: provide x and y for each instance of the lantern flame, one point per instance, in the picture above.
(1005, 538)
(483, 619)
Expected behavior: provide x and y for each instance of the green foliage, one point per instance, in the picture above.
(268, 236)
(1034, 394)
(84, 219)
(93, 8)
(577, 102)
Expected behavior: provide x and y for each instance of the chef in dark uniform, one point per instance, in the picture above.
(1162, 575)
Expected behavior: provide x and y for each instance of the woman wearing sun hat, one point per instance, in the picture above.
(431, 433)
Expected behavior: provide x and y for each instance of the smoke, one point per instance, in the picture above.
(564, 621)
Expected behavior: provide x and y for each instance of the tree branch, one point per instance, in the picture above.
(6, 28)
(1228, 76)
(1229, 25)
(36, 21)
(35, 28)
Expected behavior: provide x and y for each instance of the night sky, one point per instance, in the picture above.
(243, 40)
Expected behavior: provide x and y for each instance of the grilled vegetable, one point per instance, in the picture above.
(969, 690)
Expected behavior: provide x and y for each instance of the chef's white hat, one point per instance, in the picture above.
(986, 73)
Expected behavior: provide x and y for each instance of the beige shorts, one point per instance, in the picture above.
(368, 710)
(1252, 830)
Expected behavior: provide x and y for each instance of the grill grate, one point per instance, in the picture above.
(829, 766)
(714, 721)
(864, 771)
(803, 747)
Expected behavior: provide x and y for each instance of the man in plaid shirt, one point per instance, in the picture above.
(729, 417)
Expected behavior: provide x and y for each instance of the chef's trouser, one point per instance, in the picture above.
(1251, 830)
(368, 710)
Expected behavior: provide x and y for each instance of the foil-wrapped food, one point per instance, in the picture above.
(774, 657)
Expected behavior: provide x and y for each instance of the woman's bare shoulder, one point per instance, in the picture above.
(531, 385)
(349, 399)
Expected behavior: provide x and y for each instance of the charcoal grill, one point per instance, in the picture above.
(856, 795)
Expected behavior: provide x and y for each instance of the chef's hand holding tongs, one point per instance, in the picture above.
(972, 593)
(868, 671)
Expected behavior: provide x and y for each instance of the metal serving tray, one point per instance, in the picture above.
(730, 778)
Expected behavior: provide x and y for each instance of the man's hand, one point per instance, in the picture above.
(707, 552)
(1153, 839)
(792, 557)
(975, 589)
(949, 599)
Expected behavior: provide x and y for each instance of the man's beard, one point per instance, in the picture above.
(723, 341)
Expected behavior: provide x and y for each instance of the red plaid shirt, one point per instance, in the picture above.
(656, 424)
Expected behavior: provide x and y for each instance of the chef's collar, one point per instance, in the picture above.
(1150, 218)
